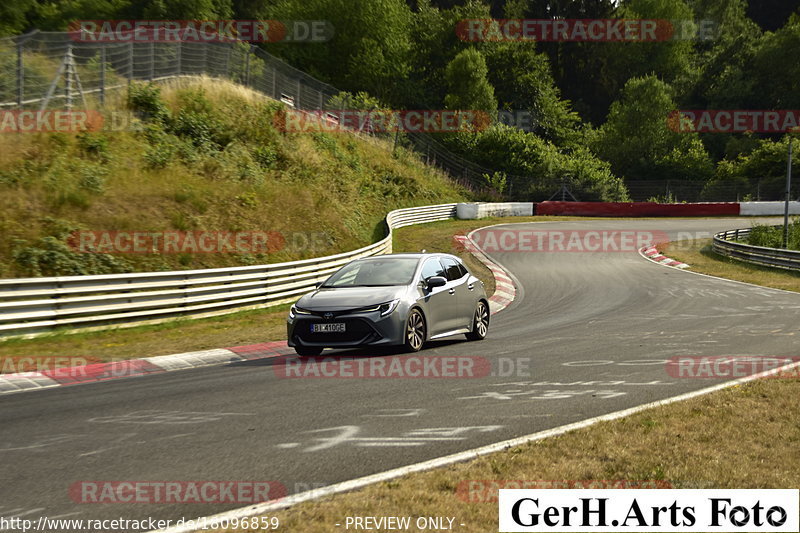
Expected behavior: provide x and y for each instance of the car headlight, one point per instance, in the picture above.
(294, 311)
(388, 307)
(384, 308)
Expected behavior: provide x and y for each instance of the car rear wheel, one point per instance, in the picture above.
(415, 331)
(480, 324)
(307, 351)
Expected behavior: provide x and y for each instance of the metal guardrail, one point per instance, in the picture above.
(30, 306)
(725, 243)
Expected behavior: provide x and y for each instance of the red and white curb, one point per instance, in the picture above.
(504, 289)
(27, 381)
(650, 252)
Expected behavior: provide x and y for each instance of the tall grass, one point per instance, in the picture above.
(772, 236)
(200, 154)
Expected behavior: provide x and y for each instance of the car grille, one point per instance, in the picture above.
(357, 331)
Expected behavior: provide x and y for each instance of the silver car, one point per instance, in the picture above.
(395, 299)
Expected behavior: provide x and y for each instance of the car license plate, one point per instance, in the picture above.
(336, 327)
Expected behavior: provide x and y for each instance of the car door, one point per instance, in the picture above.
(458, 282)
(437, 302)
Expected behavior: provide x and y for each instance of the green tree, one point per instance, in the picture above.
(762, 170)
(775, 69)
(670, 60)
(467, 83)
(370, 48)
(434, 44)
(638, 141)
(13, 17)
(188, 9)
(57, 15)
(523, 82)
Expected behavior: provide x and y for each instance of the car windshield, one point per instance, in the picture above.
(380, 272)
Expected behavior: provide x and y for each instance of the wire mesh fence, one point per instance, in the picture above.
(44, 70)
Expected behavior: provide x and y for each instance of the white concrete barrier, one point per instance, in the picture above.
(471, 211)
(767, 208)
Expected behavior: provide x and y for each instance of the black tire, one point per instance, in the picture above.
(308, 351)
(480, 323)
(416, 331)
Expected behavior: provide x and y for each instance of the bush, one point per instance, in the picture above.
(536, 168)
(51, 257)
(93, 178)
(94, 145)
(772, 236)
(145, 100)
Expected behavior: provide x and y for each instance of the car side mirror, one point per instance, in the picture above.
(436, 281)
(317, 285)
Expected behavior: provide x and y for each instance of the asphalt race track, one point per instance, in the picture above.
(594, 329)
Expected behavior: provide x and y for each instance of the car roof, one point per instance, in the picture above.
(409, 255)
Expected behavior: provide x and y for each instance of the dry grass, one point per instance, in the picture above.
(699, 256)
(339, 185)
(742, 437)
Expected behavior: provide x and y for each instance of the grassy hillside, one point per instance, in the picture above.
(201, 155)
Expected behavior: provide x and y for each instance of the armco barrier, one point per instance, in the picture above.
(767, 208)
(636, 209)
(725, 243)
(35, 305)
(472, 211)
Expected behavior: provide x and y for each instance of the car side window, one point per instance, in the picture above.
(432, 267)
(452, 268)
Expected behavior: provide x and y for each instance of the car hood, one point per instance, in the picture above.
(349, 297)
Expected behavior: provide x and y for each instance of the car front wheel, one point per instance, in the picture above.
(480, 323)
(415, 331)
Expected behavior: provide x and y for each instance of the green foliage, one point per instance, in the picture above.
(638, 141)
(523, 82)
(94, 145)
(12, 16)
(93, 178)
(771, 236)
(370, 49)
(763, 169)
(49, 256)
(467, 85)
(542, 166)
(145, 100)
(187, 9)
(775, 69)
(434, 45)
(497, 181)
